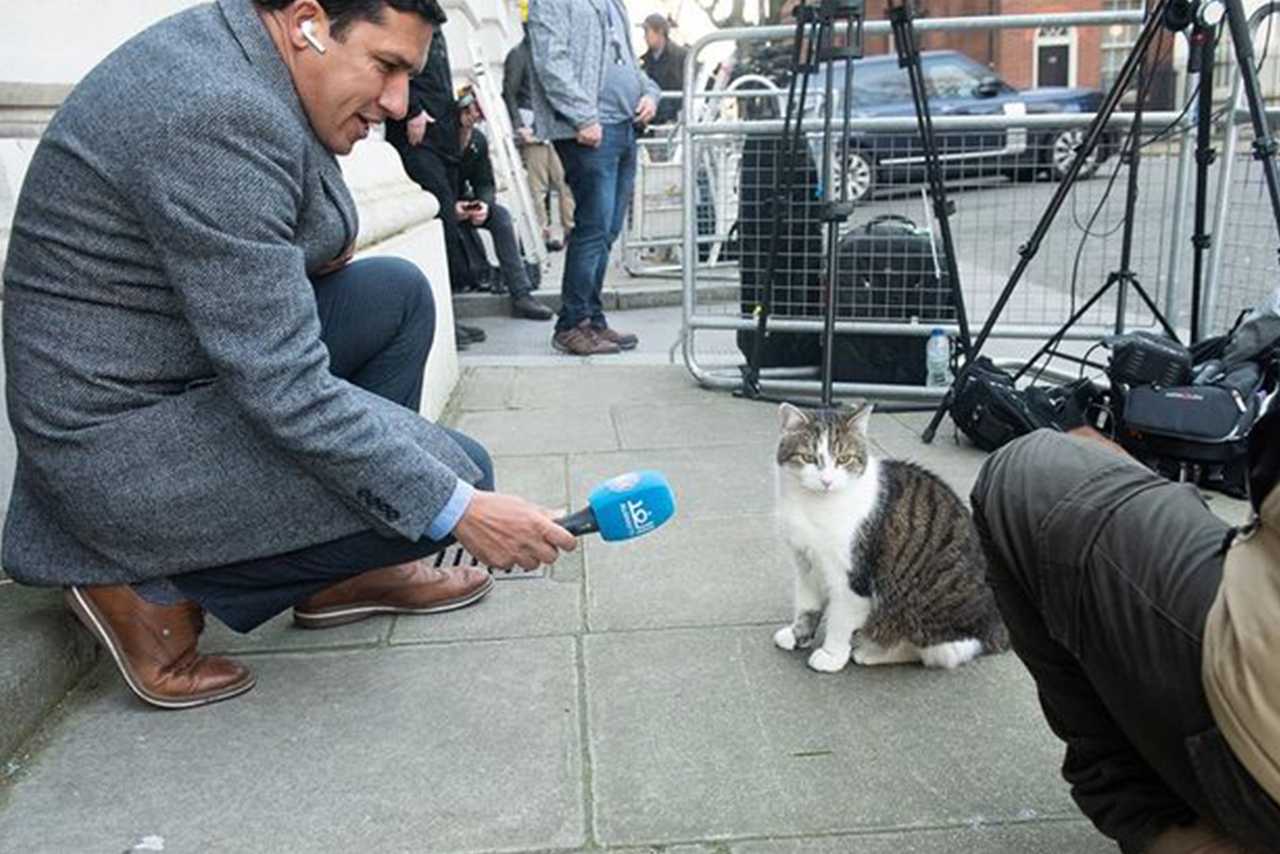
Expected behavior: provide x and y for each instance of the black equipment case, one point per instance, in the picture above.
(889, 270)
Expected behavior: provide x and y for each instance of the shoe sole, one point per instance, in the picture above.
(88, 616)
(331, 617)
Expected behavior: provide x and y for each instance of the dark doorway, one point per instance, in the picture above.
(1055, 65)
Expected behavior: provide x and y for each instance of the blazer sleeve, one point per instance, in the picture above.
(219, 187)
(554, 63)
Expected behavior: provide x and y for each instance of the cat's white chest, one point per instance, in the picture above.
(823, 525)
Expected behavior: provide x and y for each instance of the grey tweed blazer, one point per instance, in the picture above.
(567, 39)
(166, 380)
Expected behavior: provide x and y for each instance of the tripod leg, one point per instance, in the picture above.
(1264, 146)
(900, 17)
(1204, 45)
(802, 57)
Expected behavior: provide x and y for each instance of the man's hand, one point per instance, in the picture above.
(591, 136)
(525, 135)
(478, 213)
(646, 110)
(505, 531)
(416, 128)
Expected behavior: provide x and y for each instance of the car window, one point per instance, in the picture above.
(950, 79)
(879, 85)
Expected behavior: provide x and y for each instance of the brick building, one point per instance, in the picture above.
(1047, 56)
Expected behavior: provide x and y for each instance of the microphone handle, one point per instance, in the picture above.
(582, 522)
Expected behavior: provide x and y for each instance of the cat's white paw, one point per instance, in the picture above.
(785, 638)
(952, 654)
(825, 661)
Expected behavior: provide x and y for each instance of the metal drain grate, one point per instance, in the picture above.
(457, 555)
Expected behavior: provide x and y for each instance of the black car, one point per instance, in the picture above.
(957, 86)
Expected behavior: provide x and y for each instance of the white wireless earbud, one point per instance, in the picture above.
(308, 29)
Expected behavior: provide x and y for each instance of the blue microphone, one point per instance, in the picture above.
(626, 506)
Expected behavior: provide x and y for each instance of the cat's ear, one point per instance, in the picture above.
(791, 417)
(859, 419)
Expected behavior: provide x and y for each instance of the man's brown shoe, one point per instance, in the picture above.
(624, 340)
(582, 340)
(154, 646)
(405, 588)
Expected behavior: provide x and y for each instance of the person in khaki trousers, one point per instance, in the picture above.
(541, 162)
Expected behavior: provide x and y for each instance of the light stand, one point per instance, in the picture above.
(1162, 14)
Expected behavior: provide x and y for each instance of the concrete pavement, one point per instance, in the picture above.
(631, 699)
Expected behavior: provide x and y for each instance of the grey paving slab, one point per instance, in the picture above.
(517, 608)
(718, 420)
(1065, 837)
(541, 431)
(691, 572)
(715, 733)
(716, 481)
(485, 388)
(281, 635)
(412, 749)
(542, 480)
(602, 385)
(43, 653)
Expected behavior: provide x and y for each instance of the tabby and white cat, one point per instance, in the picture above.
(882, 548)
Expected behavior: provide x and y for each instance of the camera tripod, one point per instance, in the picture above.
(814, 42)
(1177, 15)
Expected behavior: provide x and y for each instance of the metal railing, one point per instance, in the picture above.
(1000, 170)
(1244, 267)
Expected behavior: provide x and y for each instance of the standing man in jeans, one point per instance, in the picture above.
(1150, 628)
(589, 96)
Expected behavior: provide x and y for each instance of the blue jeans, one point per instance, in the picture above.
(378, 320)
(601, 180)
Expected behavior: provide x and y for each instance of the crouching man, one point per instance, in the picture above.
(214, 410)
(1152, 630)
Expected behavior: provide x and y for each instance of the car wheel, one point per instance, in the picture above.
(1062, 154)
(860, 170)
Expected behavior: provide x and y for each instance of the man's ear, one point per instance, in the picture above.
(307, 26)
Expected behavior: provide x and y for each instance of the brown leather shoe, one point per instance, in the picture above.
(405, 588)
(582, 340)
(624, 340)
(154, 646)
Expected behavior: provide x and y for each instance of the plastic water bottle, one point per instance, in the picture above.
(937, 359)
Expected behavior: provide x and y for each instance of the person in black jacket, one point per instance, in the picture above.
(476, 208)
(427, 141)
(664, 63)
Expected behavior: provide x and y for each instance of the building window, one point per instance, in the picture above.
(1118, 40)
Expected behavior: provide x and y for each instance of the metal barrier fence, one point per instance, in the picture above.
(1001, 174)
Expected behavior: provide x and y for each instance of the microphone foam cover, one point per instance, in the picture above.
(632, 504)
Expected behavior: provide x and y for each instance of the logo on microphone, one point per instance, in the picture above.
(637, 518)
(624, 482)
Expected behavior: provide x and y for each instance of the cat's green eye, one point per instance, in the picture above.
(807, 459)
